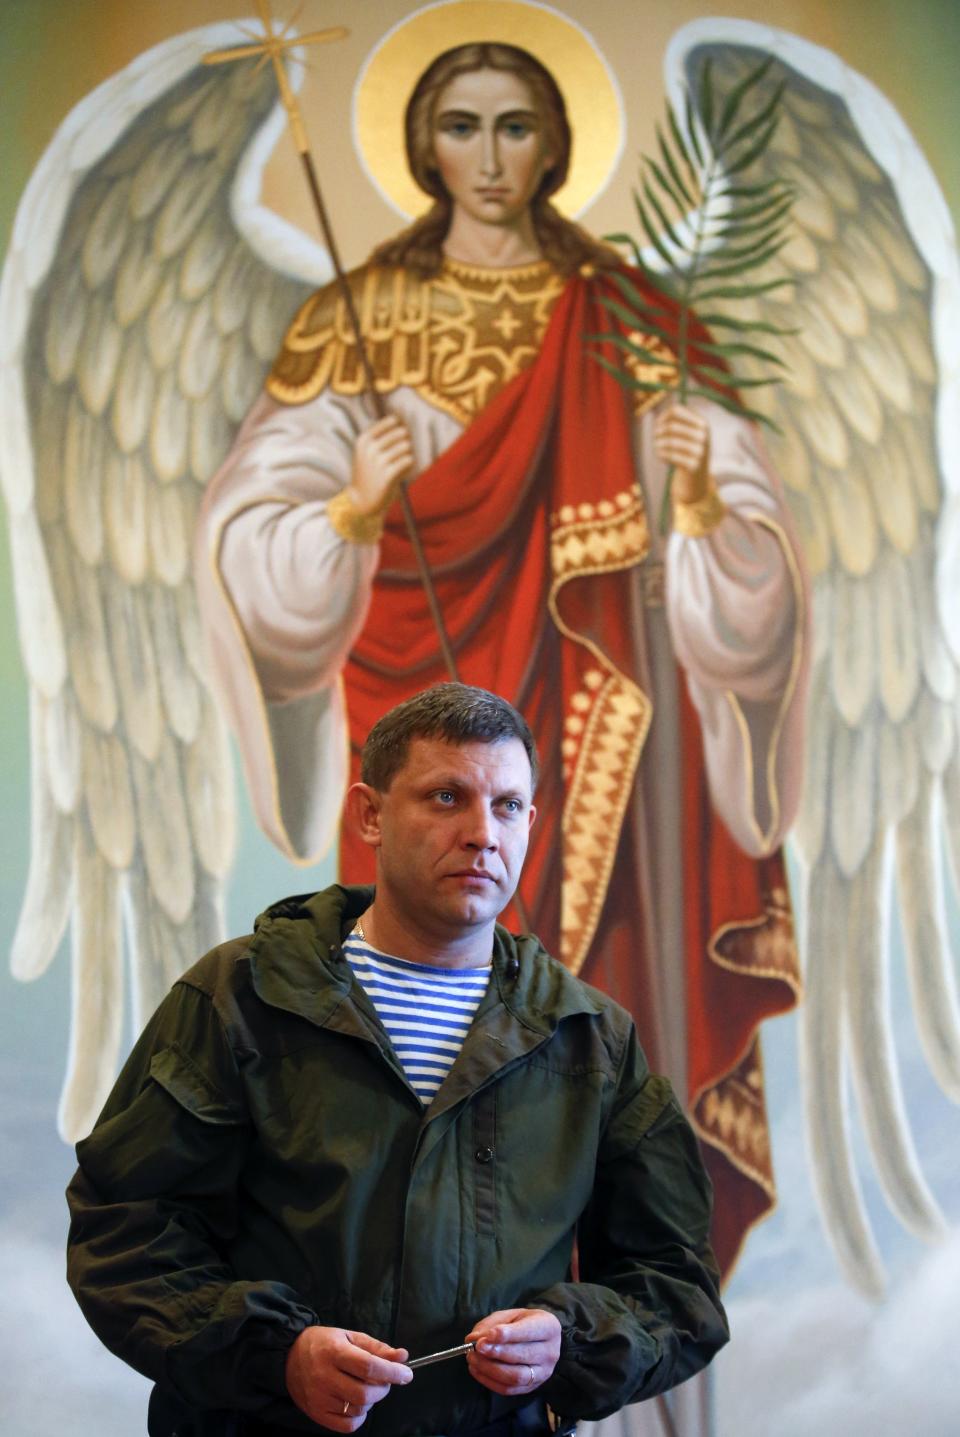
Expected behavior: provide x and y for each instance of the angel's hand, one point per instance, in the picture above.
(382, 458)
(682, 438)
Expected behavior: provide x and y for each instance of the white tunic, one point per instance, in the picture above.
(298, 595)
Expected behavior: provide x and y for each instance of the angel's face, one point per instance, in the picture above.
(490, 145)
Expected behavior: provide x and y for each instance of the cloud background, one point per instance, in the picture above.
(827, 1364)
(56, 1376)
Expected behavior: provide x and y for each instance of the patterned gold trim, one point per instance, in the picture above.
(457, 338)
(615, 730)
(700, 517)
(730, 1115)
(661, 371)
(576, 721)
(724, 1113)
(491, 274)
(599, 538)
(350, 524)
(609, 720)
(777, 956)
(765, 839)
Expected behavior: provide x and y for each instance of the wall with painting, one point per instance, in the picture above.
(840, 1310)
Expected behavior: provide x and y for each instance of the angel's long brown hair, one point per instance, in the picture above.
(420, 247)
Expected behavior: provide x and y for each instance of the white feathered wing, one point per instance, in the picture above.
(143, 299)
(869, 451)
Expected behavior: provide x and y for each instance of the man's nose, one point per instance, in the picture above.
(480, 828)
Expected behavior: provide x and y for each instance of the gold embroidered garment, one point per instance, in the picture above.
(457, 338)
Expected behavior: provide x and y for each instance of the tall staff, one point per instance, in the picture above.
(272, 47)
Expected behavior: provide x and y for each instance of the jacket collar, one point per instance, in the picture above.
(296, 964)
(295, 958)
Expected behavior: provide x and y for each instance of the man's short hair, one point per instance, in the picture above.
(457, 713)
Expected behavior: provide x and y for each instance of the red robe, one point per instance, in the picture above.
(532, 523)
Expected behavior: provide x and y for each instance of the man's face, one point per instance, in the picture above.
(451, 832)
(489, 144)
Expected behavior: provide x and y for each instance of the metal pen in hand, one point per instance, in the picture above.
(460, 1351)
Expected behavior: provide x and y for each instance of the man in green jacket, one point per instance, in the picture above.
(383, 1126)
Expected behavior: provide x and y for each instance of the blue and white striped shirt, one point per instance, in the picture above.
(425, 1010)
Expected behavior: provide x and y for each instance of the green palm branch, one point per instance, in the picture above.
(716, 233)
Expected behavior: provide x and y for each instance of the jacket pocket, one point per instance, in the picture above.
(176, 1125)
(179, 1076)
(658, 1106)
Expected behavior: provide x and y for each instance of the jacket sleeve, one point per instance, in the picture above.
(646, 1312)
(153, 1211)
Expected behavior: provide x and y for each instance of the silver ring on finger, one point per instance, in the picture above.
(532, 1382)
(346, 1409)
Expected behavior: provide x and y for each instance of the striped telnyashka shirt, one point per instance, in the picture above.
(425, 1010)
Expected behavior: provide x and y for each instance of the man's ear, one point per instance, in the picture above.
(362, 812)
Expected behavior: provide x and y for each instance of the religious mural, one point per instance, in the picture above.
(204, 428)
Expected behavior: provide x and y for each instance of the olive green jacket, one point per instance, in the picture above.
(263, 1164)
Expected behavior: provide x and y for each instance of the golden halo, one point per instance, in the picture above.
(586, 82)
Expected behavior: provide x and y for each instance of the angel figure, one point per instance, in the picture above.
(203, 526)
(534, 480)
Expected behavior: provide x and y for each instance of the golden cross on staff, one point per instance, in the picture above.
(273, 47)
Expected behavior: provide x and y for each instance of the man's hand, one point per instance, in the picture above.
(382, 457)
(516, 1350)
(335, 1377)
(681, 437)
